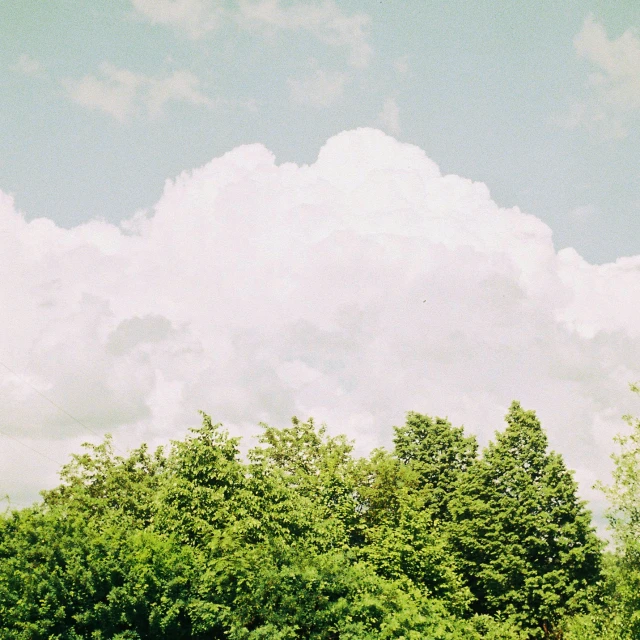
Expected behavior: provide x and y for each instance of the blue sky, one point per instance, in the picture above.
(345, 210)
(492, 91)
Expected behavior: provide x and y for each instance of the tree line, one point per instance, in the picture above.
(300, 539)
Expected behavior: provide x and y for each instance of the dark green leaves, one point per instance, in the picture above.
(524, 539)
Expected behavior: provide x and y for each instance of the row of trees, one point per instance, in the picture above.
(302, 540)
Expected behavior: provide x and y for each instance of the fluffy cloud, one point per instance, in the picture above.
(122, 93)
(615, 82)
(354, 289)
(320, 89)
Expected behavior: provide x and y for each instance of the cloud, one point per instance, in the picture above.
(181, 86)
(324, 20)
(401, 65)
(614, 84)
(583, 212)
(320, 89)
(27, 65)
(389, 117)
(195, 17)
(353, 289)
(122, 93)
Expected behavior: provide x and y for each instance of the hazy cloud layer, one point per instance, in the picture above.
(194, 17)
(352, 290)
(320, 89)
(323, 20)
(121, 93)
(614, 82)
(401, 65)
(27, 65)
(389, 117)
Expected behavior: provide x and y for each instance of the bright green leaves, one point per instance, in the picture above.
(203, 475)
(438, 452)
(616, 613)
(313, 465)
(402, 538)
(63, 574)
(624, 494)
(302, 540)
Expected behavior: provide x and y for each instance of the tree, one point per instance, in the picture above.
(372, 504)
(314, 465)
(524, 539)
(615, 614)
(402, 538)
(89, 562)
(624, 494)
(192, 543)
(438, 453)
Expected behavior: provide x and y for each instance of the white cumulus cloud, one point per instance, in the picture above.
(354, 289)
(122, 93)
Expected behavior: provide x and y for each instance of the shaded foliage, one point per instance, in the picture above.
(523, 537)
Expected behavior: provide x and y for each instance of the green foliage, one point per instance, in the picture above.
(301, 540)
(615, 611)
(524, 539)
(439, 454)
(402, 538)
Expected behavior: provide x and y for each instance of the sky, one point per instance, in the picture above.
(345, 210)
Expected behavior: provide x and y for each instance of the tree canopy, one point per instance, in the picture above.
(524, 538)
(614, 611)
(301, 539)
